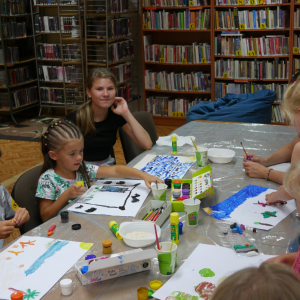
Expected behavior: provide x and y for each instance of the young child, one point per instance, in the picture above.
(270, 281)
(8, 210)
(62, 148)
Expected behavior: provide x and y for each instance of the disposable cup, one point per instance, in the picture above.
(202, 158)
(167, 258)
(191, 208)
(159, 192)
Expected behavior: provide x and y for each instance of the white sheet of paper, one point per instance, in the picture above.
(95, 199)
(29, 272)
(281, 167)
(248, 213)
(181, 140)
(222, 261)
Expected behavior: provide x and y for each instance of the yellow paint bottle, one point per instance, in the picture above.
(174, 219)
(174, 144)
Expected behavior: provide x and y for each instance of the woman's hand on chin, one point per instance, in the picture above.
(121, 106)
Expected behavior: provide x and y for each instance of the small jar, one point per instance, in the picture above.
(16, 296)
(106, 246)
(67, 286)
(64, 216)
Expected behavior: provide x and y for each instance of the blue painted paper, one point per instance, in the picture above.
(225, 208)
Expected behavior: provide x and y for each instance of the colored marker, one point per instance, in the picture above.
(148, 214)
(157, 213)
(152, 214)
(52, 228)
(50, 233)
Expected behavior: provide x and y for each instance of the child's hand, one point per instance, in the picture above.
(149, 179)
(121, 106)
(287, 259)
(271, 198)
(74, 191)
(21, 216)
(6, 229)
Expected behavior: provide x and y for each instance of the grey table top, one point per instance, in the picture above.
(227, 179)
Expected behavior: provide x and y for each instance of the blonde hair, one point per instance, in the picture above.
(291, 100)
(291, 180)
(84, 114)
(270, 281)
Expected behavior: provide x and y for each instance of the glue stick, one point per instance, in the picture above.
(174, 219)
(115, 229)
(174, 144)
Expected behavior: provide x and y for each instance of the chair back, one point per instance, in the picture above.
(130, 148)
(24, 194)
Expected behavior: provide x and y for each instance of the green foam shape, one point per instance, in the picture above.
(206, 272)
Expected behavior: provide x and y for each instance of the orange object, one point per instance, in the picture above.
(106, 246)
(247, 245)
(16, 296)
(13, 221)
(50, 233)
(176, 181)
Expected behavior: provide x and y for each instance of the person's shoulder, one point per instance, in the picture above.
(48, 175)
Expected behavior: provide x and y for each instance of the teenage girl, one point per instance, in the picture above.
(100, 118)
(62, 148)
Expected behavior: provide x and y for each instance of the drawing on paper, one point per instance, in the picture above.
(206, 272)
(205, 289)
(15, 252)
(30, 294)
(90, 210)
(268, 214)
(24, 244)
(165, 166)
(182, 296)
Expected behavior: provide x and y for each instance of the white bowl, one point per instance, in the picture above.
(220, 156)
(148, 227)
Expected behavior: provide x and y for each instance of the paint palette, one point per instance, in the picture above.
(199, 186)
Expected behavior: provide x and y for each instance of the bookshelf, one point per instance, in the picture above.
(18, 78)
(59, 53)
(111, 41)
(260, 55)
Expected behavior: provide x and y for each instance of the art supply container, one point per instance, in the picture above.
(16, 296)
(64, 216)
(142, 293)
(67, 286)
(191, 208)
(202, 158)
(106, 246)
(180, 227)
(115, 229)
(159, 191)
(167, 258)
(174, 144)
(174, 219)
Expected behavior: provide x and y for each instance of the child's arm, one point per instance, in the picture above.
(287, 259)
(6, 229)
(126, 172)
(50, 208)
(280, 194)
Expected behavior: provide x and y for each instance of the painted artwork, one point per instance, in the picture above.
(113, 198)
(197, 278)
(248, 207)
(33, 265)
(165, 166)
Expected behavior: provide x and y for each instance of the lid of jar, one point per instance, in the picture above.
(16, 296)
(66, 282)
(106, 243)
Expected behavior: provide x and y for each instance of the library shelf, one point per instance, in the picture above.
(257, 30)
(244, 79)
(50, 60)
(72, 62)
(19, 62)
(176, 64)
(124, 82)
(179, 30)
(180, 92)
(96, 64)
(176, 7)
(251, 57)
(171, 121)
(122, 60)
(111, 15)
(17, 85)
(46, 6)
(21, 107)
(252, 6)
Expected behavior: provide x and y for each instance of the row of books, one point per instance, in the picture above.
(194, 54)
(120, 50)
(11, 54)
(122, 72)
(175, 3)
(251, 19)
(119, 27)
(16, 76)
(182, 20)
(124, 92)
(11, 8)
(115, 6)
(56, 95)
(72, 74)
(248, 2)
(222, 88)
(46, 24)
(54, 2)
(263, 46)
(189, 82)
(68, 24)
(297, 18)
(53, 51)
(26, 96)
(296, 65)
(254, 69)
(276, 114)
(14, 30)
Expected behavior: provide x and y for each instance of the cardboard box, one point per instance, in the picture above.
(120, 264)
(201, 186)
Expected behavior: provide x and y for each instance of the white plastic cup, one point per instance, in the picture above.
(67, 286)
(159, 192)
(167, 258)
(191, 208)
(202, 157)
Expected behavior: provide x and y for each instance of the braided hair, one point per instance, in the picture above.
(57, 134)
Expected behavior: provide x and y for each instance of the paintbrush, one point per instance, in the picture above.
(157, 243)
(194, 144)
(156, 185)
(245, 151)
(171, 245)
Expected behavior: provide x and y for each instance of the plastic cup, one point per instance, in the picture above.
(191, 208)
(167, 258)
(202, 158)
(159, 192)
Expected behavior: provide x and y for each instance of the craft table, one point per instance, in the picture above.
(227, 179)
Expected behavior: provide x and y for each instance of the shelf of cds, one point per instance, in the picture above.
(18, 75)
(60, 53)
(111, 41)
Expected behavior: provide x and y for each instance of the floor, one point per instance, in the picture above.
(19, 156)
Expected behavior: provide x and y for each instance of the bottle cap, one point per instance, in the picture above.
(150, 293)
(174, 138)
(155, 284)
(106, 243)
(168, 182)
(65, 282)
(174, 217)
(16, 296)
(112, 223)
(176, 181)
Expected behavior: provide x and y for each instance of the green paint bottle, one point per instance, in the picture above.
(174, 219)
(174, 144)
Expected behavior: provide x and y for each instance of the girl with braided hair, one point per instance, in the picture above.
(62, 148)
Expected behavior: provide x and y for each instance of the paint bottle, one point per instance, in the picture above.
(174, 219)
(16, 296)
(106, 246)
(174, 144)
(67, 286)
(142, 293)
(115, 229)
